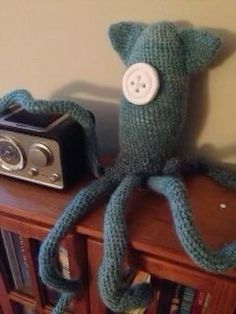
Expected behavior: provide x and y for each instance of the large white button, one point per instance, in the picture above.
(140, 83)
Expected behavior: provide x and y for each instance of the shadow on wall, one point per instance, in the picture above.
(198, 101)
(105, 112)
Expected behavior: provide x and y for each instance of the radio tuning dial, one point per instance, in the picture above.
(40, 155)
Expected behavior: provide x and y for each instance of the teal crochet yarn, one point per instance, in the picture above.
(173, 189)
(160, 59)
(149, 134)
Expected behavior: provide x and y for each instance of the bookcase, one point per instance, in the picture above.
(29, 211)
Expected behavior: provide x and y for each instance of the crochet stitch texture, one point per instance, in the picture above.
(149, 135)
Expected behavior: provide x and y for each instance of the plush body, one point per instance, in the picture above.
(149, 136)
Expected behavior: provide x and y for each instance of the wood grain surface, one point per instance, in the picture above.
(149, 221)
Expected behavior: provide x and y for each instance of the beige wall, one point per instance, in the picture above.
(59, 48)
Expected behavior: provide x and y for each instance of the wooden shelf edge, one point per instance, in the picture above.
(22, 298)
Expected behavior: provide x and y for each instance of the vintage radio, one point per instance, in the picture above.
(47, 149)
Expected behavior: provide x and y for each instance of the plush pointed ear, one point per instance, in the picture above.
(123, 37)
(199, 48)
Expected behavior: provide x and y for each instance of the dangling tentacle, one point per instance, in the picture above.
(82, 116)
(49, 248)
(117, 294)
(174, 191)
(222, 176)
(62, 303)
(189, 166)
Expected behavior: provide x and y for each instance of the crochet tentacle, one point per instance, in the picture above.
(61, 305)
(49, 248)
(117, 294)
(173, 189)
(17, 96)
(82, 116)
(222, 176)
(190, 166)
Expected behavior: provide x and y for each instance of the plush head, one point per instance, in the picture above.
(160, 58)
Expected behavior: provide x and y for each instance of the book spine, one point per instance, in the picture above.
(23, 261)
(64, 262)
(198, 302)
(152, 307)
(206, 303)
(28, 310)
(167, 289)
(187, 300)
(176, 299)
(7, 237)
(140, 278)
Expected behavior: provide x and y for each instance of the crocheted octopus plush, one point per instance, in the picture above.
(160, 59)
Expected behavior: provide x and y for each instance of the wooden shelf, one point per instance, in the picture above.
(22, 298)
(31, 210)
(148, 216)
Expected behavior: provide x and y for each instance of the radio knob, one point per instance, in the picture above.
(54, 177)
(33, 172)
(40, 155)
